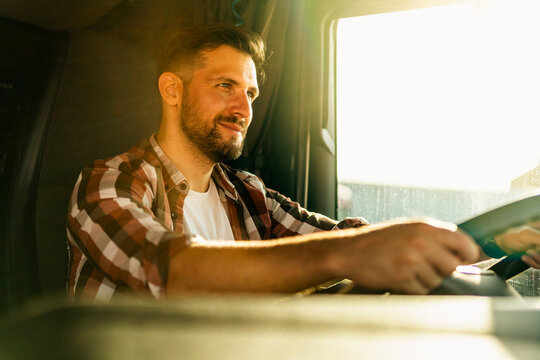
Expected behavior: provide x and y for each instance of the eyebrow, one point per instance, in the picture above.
(253, 89)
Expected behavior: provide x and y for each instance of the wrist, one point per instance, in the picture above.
(338, 255)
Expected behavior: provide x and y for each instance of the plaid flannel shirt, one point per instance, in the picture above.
(125, 220)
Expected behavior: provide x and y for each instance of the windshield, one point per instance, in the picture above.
(437, 110)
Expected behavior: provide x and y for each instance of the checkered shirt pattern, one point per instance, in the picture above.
(125, 220)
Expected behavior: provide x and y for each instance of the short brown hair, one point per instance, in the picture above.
(184, 51)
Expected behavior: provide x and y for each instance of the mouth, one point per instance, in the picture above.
(235, 129)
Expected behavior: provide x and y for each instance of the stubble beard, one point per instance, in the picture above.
(206, 137)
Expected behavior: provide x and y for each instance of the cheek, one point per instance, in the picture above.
(213, 101)
(248, 123)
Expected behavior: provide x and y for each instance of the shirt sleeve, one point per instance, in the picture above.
(287, 217)
(111, 222)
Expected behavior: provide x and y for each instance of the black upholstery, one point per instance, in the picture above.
(29, 84)
(105, 101)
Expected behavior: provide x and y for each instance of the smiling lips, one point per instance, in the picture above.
(237, 129)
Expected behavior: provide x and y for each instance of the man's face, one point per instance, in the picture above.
(216, 104)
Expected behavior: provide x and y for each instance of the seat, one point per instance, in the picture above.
(90, 96)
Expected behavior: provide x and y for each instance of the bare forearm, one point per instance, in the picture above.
(405, 256)
(284, 266)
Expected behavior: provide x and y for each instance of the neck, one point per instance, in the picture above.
(194, 165)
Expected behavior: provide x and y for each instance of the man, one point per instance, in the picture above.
(161, 218)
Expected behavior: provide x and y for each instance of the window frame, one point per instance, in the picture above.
(319, 88)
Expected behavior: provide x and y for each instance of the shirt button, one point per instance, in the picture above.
(174, 216)
(184, 187)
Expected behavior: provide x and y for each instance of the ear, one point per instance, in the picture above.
(170, 88)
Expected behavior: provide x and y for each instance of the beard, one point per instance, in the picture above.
(206, 136)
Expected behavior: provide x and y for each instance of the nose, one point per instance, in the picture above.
(241, 107)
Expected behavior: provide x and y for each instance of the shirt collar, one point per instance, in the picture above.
(175, 175)
(218, 174)
(224, 183)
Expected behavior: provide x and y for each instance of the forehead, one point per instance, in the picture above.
(228, 61)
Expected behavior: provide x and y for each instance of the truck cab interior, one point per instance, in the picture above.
(78, 83)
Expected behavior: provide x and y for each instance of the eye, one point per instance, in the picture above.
(225, 85)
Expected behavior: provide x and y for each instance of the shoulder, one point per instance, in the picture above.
(245, 177)
(139, 162)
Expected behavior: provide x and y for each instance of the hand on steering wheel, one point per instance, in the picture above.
(522, 239)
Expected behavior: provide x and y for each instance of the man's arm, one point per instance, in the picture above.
(405, 257)
(111, 223)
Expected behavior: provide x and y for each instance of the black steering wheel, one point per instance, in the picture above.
(465, 280)
(470, 280)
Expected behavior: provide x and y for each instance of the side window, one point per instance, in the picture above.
(438, 110)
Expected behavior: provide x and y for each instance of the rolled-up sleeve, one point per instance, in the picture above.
(116, 237)
(278, 216)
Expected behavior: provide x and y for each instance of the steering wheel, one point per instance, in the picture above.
(465, 280)
(470, 280)
(483, 229)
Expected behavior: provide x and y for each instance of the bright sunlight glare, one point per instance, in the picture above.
(445, 97)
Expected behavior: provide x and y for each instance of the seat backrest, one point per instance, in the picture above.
(105, 101)
(25, 85)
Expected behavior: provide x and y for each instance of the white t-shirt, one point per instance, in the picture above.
(205, 215)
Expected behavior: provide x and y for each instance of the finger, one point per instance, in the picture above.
(413, 287)
(533, 252)
(428, 276)
(443, 261)
(461, 244)
(518, 239)
(533, 260)
(467, 250)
